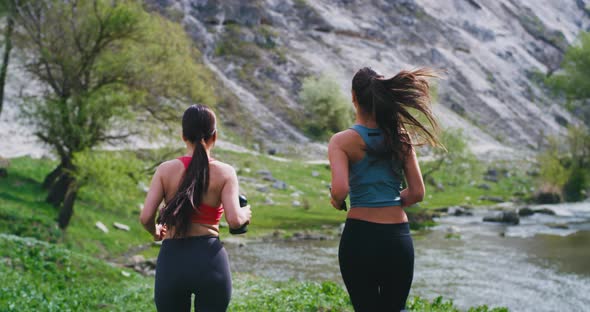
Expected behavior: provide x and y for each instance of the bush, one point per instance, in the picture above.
(109, 179)
(575, 187)
(326, 110)
(455, 158)
(564, 167)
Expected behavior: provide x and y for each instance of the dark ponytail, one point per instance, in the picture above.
(198, 125)
(391, 101)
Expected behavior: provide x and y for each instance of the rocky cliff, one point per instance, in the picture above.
(493, 53)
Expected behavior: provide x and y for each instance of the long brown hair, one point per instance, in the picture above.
(198, 126)
(390, 101)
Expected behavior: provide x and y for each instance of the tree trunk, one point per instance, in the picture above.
(58, 182)
(58, 190)
(67, 209)
(51, 178)
(6, 58)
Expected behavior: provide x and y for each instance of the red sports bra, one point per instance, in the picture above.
(205, 214)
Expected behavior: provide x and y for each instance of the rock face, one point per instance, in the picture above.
(489, 49)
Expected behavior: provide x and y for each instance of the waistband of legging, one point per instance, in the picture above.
(400, 229)
(188, 239)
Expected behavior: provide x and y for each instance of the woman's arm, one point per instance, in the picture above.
(414, 193)
(235, 215)
(339, 167)
(153, 199)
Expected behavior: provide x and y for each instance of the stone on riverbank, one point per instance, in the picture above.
(546, 211)
(526, 211)
(510, 217)
(459, 211)
(497, 199)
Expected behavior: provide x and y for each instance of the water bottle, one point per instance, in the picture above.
(244, 228)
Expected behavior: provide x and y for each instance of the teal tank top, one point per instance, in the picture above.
(373, 181)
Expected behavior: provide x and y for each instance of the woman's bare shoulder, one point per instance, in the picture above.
(222, 168)
(344, 137)
(170, 166)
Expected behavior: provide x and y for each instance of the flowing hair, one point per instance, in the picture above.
(198, 126)
(391, 101)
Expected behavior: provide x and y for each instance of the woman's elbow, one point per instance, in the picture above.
(419, 196)
(340, 193)
(233, 222)
(145, 220)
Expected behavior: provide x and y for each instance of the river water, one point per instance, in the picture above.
(539, 265)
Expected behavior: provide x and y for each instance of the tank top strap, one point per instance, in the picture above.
(370, 136)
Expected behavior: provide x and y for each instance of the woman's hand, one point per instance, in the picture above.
(336, 204)
(247, 211)
(161, 231)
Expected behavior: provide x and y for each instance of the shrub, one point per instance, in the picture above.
(326, 109)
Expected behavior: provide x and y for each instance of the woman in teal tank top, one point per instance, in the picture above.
(369, 162)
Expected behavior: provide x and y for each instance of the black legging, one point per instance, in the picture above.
(193, 265)
(377, 264)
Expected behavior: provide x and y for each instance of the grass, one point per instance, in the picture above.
(22, 203)
(39, 276)
(45, 269)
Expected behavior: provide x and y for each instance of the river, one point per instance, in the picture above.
(542, 264)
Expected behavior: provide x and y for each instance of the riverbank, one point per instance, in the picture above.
(52, 270)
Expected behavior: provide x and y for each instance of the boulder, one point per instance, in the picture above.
(279, 185)
(268, 201)
(296, 203)
(458, 211)
(315, 173)
(491, 178)
(484, 186)
(262, 189)
(264, 173)
(526, 211)
(510, 217)
(545, 210)
(497, 199)
(561, 226)
(137, 259)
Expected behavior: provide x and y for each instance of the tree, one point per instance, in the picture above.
(110, 71)
(573, 81)
(327, 110)
(7, 10)
(455, 157)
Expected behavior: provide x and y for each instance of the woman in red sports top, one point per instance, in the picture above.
(196, 189)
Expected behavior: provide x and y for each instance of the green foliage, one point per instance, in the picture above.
(566, 166)
(552, 170)
(455, 157)
(440, 305)
(232, 44)
(326, 109)
(110, 69)
(37, 276)
(113, 177)
(574, 81)
(257, 295)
